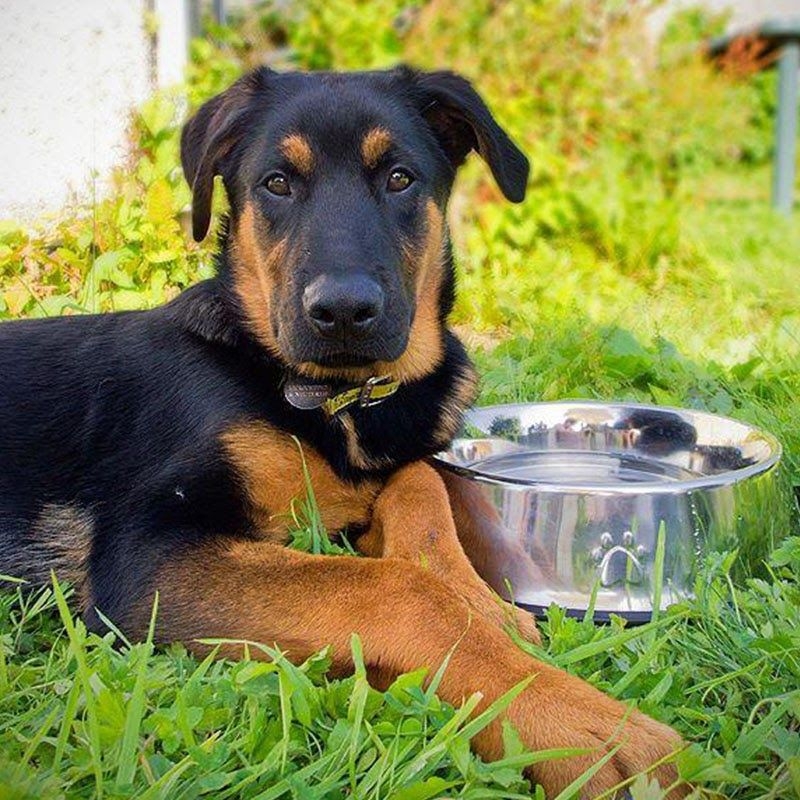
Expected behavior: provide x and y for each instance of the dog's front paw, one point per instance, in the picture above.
(644, 746)
(565, 712)
(639, 745)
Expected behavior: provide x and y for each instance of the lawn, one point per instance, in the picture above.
(645, 264)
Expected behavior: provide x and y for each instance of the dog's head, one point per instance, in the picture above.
(337, 249)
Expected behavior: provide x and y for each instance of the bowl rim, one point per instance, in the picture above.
(720, 479)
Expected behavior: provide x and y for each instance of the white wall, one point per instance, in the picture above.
(173, 40)
(743, 13)
(70, 73)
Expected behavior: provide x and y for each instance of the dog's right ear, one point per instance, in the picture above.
(209, 136)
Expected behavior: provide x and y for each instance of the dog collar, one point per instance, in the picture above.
(308, 396)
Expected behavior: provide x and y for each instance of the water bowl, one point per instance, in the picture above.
(612, 504)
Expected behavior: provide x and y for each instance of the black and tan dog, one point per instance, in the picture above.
(159, 450)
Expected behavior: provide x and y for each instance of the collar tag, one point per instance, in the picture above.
(370, 395)
(306, 396)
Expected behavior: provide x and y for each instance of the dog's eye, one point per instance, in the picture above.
(278, 184)
(399, 180)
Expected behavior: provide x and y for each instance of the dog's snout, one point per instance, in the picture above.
(343, 308)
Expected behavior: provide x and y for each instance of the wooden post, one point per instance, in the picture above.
(786, 126)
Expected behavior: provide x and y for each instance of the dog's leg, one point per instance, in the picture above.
(407, 618)
(412, 520)
(501, 561)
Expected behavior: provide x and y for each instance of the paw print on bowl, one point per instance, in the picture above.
(620, 562)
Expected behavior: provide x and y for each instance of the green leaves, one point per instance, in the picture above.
(699, 766)
(624, 355)
(126, 250)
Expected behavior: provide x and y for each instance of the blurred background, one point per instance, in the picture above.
(646, 263)
(72, 72)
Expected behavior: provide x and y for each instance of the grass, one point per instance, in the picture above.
(88, 716)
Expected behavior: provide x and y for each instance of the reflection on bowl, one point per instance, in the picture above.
(567, 499)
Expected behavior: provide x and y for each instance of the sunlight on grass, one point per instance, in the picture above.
(170, 726)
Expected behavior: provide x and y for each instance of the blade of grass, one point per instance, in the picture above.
(609, 643)
(433, 686)
(642, 663)
(658, 571)
(37, 738)
(751, 741)
(571, 790)
(76, 640)
(358, 702)
(133, 720)
(3, 670)
(66, 724)
(437, 747)
(162, 788)
(538, 756)
(303, 774)
(285, 697)
(271, 761)
(492, 711)
(113, 628)
(589, 614)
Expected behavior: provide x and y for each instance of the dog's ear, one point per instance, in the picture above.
(462, 122)
(208, 137)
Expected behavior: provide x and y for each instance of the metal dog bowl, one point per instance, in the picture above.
(560, 501)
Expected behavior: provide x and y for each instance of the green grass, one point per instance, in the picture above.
(85, 716)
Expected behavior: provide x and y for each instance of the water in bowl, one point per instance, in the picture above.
(581, 468)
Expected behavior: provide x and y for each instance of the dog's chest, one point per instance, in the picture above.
(286, 480)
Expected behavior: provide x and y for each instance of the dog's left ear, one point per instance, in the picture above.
(462, 122)
(208, 137)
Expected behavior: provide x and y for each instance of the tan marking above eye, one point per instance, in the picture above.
(296, 149)
(375, 145)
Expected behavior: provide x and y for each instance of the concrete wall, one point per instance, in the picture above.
(743, 13)
(71, 71)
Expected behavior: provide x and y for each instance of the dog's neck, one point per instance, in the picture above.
(416, 421)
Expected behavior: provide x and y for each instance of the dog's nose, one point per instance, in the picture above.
(343, 307)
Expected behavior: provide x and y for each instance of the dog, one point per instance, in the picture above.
(162, 450)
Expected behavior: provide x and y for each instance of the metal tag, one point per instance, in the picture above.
(306, 395)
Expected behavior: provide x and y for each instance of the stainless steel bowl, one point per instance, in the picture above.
(563, 500)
